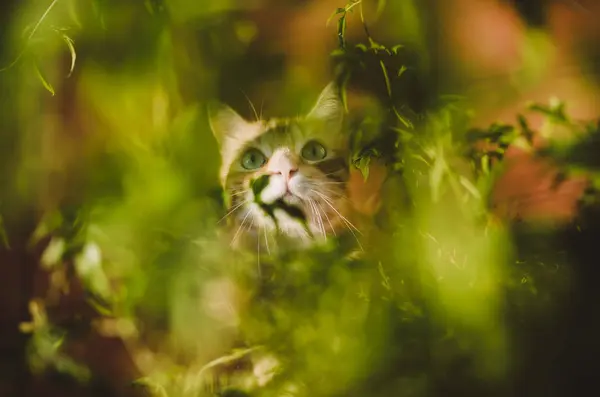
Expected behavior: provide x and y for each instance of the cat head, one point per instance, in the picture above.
(285, 176)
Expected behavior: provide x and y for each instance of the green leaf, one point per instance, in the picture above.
(555, 111)
(402, 70)
(45, 83)
(50, 222)
(336, 12)
(361, 162)
(53, 253)
(364, 167)
(31, 31)
(396, 48)
(420, 158)
(70, 43)
(387, 79)
(353, 3)
(342, 31)
(375, 46)
(485, 164)
(467, 184)
(361, 46)
(525, 130)
(407, 123)
(344, 92)
(404, 135)
(99, 305)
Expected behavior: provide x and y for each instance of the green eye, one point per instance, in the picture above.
(253, 159)
(314, 151)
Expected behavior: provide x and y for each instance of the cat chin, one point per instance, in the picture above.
(294, 201)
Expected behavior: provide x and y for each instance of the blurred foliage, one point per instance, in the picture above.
(106, 142)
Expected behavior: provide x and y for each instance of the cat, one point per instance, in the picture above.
(285, 179)
(285, 184)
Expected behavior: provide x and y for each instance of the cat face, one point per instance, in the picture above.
(285, 177)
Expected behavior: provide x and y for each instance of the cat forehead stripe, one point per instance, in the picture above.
(279, 126)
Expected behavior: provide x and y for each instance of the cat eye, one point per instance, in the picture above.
(313, 151)
(253, 159)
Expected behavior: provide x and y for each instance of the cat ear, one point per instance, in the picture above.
(224, 121)
(329, 107)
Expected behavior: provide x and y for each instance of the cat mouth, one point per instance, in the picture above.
(291, 199)
(289, 203)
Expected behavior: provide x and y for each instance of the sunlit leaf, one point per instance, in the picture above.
(71, 47)
(404, 120)
(402, 69)
(342, 31)
(45, 83)
(420, 158)
(397, 48)
(333, 14)
(53, 253)
(362, 164)
(361, 47)
(467, 184)
(404, 135)
(31, 32)
(344, 92)
(387, 79)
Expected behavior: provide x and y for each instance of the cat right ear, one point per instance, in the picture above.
(224, 121)
(329, 108)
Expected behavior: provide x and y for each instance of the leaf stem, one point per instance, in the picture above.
(35, 28)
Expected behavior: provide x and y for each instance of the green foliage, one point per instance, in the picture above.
(45, 346)
(422, 291)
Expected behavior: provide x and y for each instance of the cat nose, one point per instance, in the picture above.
(288, 173)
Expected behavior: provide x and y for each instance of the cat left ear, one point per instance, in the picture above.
(224, 121)
(329, 107)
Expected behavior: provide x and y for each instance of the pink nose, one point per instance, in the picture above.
(288, 173)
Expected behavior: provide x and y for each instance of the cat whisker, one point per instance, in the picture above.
(327, 217)
(312, 208)
(239, 229)
(321, 220)
(258, 269)
(346, 221)
(262, 103)
(232, 210)
(348, 224)
(252, 106)
(266, 240)
(331, 173)
(250, 225)
(335, 194)
(318, 217)
(238, 193)
(331, 183)
(329, 189)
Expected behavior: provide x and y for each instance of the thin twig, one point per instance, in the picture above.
(35, 28)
